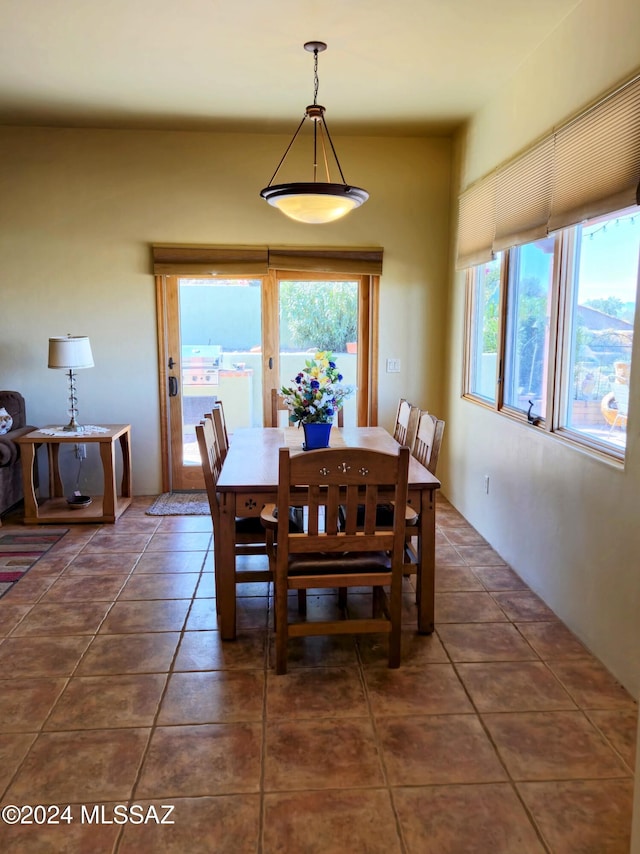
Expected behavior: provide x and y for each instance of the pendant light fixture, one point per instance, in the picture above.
(315, 201)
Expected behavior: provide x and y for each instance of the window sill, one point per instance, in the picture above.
(570, 439)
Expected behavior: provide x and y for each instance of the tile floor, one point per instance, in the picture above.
(500, 733)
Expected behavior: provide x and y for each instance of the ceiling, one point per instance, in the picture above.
(401, 67)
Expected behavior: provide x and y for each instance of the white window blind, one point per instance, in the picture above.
(587, 167)
(597, 160)
(523, 197)
(477, 223)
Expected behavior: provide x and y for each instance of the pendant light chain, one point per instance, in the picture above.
(316, 84)
(316, 81)
(318, 125)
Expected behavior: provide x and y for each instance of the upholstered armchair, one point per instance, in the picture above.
(10, 467)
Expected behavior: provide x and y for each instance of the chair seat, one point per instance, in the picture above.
(317, 563)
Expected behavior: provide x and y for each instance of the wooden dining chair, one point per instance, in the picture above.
(405, 427)
(333, 550)
(426, 450)
(404, 430)
(278, 405)
(250, 533)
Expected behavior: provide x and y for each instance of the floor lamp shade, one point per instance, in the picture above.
(70, 352)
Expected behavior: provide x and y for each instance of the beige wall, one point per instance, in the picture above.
(81, 208)
(566, 522)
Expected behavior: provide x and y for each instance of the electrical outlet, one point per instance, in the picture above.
(393, 366)
(486, 483)
(81, 452)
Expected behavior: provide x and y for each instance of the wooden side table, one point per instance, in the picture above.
(103, 508)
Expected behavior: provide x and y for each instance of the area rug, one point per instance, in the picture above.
(19, 551)
(180, 504)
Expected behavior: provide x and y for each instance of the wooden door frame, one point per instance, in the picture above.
(270, 342)
(368, 341)
(163, 378)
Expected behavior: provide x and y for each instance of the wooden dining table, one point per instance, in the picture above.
(249, 480)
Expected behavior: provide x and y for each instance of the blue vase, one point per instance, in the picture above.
(316, 435)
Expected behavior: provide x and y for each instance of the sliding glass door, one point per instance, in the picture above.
(234, 339)
(215, 344)
(319, 315)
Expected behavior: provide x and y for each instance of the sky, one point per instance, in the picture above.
(609, 259)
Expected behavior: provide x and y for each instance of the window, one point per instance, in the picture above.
(527, 326)
(564, 215)
(601, 299)
(565, 326)
(485, 309)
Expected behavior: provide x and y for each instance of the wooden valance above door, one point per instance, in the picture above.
(181, 260)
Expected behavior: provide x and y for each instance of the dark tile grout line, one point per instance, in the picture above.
(512, 782)
(67, 680)
(379, 748)
(265, 668)
(154, 723)
(152, 727)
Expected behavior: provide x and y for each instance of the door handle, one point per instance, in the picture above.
(270, 363)
(173, 386)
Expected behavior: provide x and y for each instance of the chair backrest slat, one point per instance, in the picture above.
(426, 447)
(331, 515)
(351, 505)
(404, 430)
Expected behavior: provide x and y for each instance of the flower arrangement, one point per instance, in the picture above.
(318, 392)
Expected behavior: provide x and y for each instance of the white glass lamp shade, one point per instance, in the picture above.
(70, 352)
(314, 203)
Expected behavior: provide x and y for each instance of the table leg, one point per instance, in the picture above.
(27, 460)
(56, 489)
(107, 455)
(125, 447)
(226, 566)
(425, 579)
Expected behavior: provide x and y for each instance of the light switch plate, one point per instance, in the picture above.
(393, 366)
